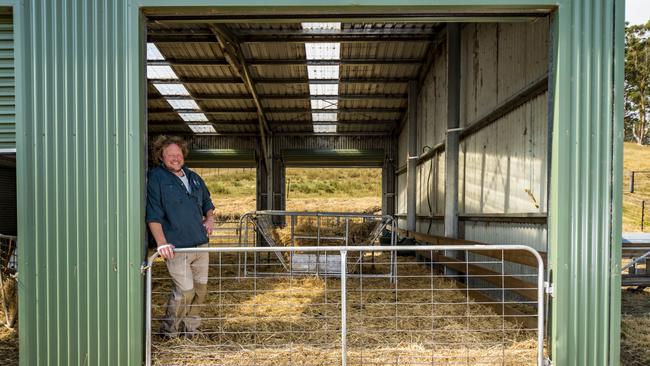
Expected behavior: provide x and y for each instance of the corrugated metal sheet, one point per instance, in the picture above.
(534, 235)
(221, 158)
(384, 143)
(499, 60)
(503, 167)
(432, 102)
(333, 157)
(81, 184)
(7, 89)
(587, 170)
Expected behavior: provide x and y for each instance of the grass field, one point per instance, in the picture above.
(339, 190)
(636, 158)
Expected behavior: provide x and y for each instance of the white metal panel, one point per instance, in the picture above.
(504, 167)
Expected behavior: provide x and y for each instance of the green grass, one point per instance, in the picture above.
(333, 182)
(636, 158)
(329, 189)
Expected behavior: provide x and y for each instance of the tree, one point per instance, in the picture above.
(637, 82)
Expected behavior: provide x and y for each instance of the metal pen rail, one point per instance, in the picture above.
(317, 229)
(425, 317)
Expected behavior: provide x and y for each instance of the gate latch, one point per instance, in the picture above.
(144, 268)
(548, 287)
(548, 362)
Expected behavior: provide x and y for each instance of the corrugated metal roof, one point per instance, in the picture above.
(376, 62)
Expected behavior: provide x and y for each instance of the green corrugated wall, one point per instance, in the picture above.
(585, 209)
(80, 178)
(80, 172)
(7, 90)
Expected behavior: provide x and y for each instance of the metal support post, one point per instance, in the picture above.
(411, 164)
(453, 124)
(344, 310)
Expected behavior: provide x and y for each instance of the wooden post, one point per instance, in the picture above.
(642, 213)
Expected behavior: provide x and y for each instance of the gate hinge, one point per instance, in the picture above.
(548, 287)
(548, 362)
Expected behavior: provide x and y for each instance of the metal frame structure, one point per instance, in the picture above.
(343, 250)
(264, 222)
(81, 104)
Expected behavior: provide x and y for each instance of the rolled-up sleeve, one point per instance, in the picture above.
(207, 201)
(155, 212)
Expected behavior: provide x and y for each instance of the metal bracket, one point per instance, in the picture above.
(548, 287)
(548, 362)
(144, 268)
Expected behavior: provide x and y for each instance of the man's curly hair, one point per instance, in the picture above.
(162, 141)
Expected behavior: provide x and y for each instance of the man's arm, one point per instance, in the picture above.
(165, 249)
(154, 214)
(208, 222)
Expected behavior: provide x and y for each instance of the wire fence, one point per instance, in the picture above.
(260, 312)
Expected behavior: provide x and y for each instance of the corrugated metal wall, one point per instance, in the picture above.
(503, 167)
(7, 82)
(586, 181)
(333, 142)
(80, 169)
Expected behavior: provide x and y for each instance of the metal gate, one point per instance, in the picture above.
(424, 316)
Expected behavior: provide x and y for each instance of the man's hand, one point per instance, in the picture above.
(208, 224)
(166, 251)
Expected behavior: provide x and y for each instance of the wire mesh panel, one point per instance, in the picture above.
(420, 317)
(298, 229)
(226, 232)
(253, 320)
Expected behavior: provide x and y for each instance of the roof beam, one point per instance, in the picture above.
(234, 55)
(279, 38)
(217, 97)
(227, 80)
(288, 62)
(252, 122)
(276, 110)
(363, 16)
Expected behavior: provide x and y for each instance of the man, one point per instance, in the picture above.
(179, 215)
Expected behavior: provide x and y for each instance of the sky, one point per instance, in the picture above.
(637, 11)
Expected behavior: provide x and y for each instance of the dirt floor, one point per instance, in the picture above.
(296, 320)
(635, 327)
(8, 337)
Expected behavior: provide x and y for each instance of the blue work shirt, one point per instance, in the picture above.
(178, 211)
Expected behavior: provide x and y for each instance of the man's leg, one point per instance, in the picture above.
(199, 266)
(182, 293)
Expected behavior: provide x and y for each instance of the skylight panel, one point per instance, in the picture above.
(324, 104)
(323, 72)
(193, 117)
(202, 128)
(321, 26)
(172, 89)
(323, 89)
(153, 53)
(183, 103)
(324, 128)
(324, 117)
(323, 51)
(160, 72)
